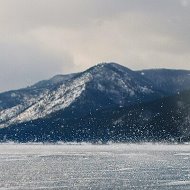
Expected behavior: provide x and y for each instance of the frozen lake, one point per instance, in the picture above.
(118, 166)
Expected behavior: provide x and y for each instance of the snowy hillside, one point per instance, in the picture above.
(48, 101)
(104, 86)
(118, 85)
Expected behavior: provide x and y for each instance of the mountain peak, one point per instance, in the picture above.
(110, 65)
(106, 64)
(103, 68)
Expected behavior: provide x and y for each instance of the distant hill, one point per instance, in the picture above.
(167, 80)
(106, 102)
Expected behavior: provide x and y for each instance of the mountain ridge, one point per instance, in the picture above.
(102, 87)
(49, 98)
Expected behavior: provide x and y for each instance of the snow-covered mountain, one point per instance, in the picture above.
(34, 102)
(101, 87)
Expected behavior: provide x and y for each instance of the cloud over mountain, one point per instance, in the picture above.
(47, 37)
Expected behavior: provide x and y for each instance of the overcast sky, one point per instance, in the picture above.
(42, 38)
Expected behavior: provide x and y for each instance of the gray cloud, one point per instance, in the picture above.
(24, 65)
(41, 38)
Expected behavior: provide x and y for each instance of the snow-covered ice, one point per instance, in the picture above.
(86, 166)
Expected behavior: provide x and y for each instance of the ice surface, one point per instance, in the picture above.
(85, 166)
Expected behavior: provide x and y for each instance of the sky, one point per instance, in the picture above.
(42, 38)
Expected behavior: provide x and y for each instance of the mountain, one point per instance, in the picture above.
(100, 87)
(63, 106)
